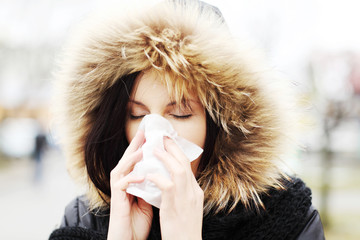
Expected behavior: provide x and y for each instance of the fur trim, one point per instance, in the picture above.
(193, 44)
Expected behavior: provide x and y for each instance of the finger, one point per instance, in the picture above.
(136, 143)
(174, 150)
(131, 156)
(171, 147)
(169, 191)
(171, 164)
(123, 184)
(181, 174)
(166, 186)
(119, 196)
(127, 163)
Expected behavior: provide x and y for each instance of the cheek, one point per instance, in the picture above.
(131, 129)
(193, 131)
(195, 165)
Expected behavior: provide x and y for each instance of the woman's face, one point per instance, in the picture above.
(150, 96)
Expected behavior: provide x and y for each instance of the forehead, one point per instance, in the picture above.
(149, 87)
(149, 82)
(155, 84)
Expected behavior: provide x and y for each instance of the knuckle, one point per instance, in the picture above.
(117, 186)
(115, 174)
(179, 172)
(169, 187)
(134, 156)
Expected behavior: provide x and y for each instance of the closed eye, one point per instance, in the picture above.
(181, 116)
(136, 117)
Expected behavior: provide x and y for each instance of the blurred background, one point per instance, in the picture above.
(314, 43)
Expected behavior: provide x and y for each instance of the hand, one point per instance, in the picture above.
(129, 219)
(182, 199)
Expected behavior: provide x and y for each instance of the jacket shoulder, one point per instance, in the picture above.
(313, 229)
(77, 214)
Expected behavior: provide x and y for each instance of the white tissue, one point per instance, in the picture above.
(155, 128)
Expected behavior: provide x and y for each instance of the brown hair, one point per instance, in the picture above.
(106, 142)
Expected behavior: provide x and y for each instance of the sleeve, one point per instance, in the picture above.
(77, 223)
(77, 214)
(313, 229)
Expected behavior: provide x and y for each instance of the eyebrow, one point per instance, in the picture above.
(137, 102)
(143, 105)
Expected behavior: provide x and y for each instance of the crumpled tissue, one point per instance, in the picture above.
(155, 127)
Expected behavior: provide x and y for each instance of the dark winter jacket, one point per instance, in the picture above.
(288, 215)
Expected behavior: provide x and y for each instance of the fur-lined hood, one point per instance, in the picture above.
(194, 44)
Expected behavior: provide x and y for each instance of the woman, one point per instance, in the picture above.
(177, 60)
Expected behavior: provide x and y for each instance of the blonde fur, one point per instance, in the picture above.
(195, 47)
